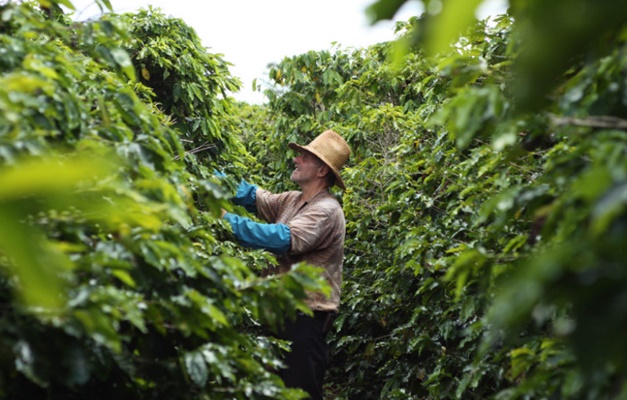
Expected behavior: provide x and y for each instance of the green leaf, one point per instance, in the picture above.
(521, 361)
(35, 264)
(383, 9)
(107, 4)
(609, 207)
(465, 264)
(455, 17)
(196, 367)
(48, 176)
(122, 58)
(124, 277)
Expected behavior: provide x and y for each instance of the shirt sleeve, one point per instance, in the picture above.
(269, 204)
(271, 237)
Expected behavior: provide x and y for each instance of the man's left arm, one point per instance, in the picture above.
(275, 238)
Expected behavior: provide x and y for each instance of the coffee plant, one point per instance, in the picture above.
(119, 280)
(485, 219)
(485, 205)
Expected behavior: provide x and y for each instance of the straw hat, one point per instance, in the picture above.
(331, 148)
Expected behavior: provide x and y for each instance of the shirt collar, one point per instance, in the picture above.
(324, 192)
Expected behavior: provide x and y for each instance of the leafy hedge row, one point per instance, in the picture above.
(485, 249)
(117, 278)
(485, 241)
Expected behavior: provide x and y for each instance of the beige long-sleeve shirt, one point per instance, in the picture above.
(317, 231)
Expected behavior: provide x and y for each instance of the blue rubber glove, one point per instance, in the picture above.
(272, 237)
(246, 194)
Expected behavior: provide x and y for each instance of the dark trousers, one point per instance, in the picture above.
(309, 358)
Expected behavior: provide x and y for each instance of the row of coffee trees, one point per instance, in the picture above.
(485, 206)
(116, 279)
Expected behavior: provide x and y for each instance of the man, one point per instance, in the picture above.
(306, 225)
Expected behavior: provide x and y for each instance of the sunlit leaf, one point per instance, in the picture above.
(455, 17)
(39, 269)
(49, 175)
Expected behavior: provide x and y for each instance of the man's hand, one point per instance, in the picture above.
(223, 213)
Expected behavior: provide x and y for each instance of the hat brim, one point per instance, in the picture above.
(338, 179)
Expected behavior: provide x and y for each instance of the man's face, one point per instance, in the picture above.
(307, 168)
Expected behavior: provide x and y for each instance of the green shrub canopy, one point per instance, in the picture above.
(485, 207)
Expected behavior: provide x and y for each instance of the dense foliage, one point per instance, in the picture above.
(485, 242)
(485, 203)
(117, 280)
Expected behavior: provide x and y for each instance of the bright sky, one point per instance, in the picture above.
(251, 34)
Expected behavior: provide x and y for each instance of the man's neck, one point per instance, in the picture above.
(312, 189)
